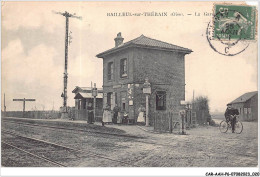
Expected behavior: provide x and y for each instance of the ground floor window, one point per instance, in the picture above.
(160, 100)
(245, 110)
(248, 110)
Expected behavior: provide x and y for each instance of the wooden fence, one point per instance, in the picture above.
(166, 122)
(33, 114)
(172, 122)
(83, 115)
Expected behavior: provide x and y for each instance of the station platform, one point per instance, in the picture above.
(135, 130)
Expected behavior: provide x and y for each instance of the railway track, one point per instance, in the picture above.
(34, 141)
(78, 129)
(135, 138)
(34, 155)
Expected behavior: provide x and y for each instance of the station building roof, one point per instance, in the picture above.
(146, 42)
(87, 95)
(85, 90)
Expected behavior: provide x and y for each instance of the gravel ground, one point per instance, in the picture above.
(201, 147)
(14, 158)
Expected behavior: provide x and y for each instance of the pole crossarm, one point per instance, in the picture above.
(67, 14)
(24, 100)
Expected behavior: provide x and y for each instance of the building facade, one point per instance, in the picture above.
(247, 105)
(83, 96)
(127, 65)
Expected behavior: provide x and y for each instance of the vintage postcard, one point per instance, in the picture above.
(130, 84)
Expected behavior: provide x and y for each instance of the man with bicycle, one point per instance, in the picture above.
(230, 115)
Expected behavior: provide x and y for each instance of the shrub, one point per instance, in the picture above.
(201, 107)
(212, 123)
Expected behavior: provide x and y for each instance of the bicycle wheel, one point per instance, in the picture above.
(223, 126)
(238, 127)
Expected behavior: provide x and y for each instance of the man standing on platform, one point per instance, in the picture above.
(90, 113)
(115, 110)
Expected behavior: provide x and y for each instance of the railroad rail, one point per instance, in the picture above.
(136, 138)
(35, 155)
(82, 152)
(79, 130)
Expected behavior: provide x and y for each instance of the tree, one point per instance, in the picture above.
(201, 107)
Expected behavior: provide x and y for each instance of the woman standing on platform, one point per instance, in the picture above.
(106, 115)
(141, 115)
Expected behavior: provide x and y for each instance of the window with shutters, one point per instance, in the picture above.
(123, 68)
(160, 100)
(110, 71)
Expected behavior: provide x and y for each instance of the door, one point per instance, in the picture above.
(123, 101)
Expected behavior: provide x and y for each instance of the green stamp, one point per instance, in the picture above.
(234, 22)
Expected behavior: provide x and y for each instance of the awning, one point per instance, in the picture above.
(87, 95)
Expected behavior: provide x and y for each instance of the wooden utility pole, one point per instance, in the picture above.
(4, 106)
(94, 94)
(193, 97)
(147, 91)
(24, 100)
(65, 77)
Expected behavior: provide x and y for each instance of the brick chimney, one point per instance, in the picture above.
(118, 40)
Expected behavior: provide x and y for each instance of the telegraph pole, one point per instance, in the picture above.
(24, 100)
(94, 94)
(4, 106)
(65, 77)
(147, 91)
(193, 97)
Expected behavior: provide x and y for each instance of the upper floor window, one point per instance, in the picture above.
(110, 71)
(123, 67)
(160, 100)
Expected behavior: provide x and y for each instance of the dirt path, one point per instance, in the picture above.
(202, 147)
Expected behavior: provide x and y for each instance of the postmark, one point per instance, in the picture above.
(232, 29)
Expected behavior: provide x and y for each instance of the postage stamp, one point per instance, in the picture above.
(232, 29)
(234, 22)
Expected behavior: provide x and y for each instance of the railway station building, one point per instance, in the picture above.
(127, 65)
(247, 105)
(83, 96)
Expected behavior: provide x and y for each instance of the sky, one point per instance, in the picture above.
(32, 57)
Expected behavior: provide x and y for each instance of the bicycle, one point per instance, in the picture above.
(225, 125)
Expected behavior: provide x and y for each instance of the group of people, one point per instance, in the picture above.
(230, 115)
(124, 119)
(113, 116)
